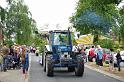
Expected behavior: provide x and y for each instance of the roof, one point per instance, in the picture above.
(59, 31)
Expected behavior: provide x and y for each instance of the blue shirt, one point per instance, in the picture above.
(100, 53)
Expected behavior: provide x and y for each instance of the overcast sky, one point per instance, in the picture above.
(50, 12)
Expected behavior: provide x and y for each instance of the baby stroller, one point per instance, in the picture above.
(10, 62)
(17, 62)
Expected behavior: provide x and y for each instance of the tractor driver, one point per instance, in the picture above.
(63, 39)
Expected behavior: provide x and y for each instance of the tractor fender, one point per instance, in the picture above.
(48, 48)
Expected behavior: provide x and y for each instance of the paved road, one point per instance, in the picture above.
(37, 75)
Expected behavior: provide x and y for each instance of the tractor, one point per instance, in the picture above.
(59, 54)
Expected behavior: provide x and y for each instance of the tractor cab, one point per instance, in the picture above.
(58, 53)
(61, 44)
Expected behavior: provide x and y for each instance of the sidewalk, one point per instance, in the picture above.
(12, 76)
(105, 70)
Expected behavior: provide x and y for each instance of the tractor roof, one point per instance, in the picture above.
(59, 31)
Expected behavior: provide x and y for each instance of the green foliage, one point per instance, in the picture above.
(2, 14)
(9, 42)
(95, 16)
(39, 41)
(107, 43)
(19, 22)
(73, 39)
(122, 24)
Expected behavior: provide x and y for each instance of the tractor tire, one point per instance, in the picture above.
(71, 69)
(79, 70)
(44, 63)
(44, 68)
(49, 69)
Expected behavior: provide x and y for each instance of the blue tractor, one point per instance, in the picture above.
(59, 54)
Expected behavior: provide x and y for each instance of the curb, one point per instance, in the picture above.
(106, 73)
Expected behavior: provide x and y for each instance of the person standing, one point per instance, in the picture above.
(99, 55)
(118, 57)
(37, 52)
(5, 53)
(91, 54)
(111, 60)
(11, 50)
(25, 60)
(87, 53)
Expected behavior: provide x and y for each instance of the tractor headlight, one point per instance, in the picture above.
(59, 49)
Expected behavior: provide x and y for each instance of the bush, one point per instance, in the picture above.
(106, 43)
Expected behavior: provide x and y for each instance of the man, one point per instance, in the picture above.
(5, 53)
(119, 59)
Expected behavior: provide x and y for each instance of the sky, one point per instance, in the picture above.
(50, 12)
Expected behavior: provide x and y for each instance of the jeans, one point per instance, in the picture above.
(118, 64)
(25, 67)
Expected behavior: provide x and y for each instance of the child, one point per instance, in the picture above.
(111, 60)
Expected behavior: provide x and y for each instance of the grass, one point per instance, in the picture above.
(106, 68)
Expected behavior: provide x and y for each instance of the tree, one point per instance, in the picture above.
(121, 12)
(2, 14)
(19, 22)
(95, 17)
(2, 21)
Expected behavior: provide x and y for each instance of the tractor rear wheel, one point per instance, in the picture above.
(49, 69)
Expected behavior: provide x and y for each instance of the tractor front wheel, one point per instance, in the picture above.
(79, 70)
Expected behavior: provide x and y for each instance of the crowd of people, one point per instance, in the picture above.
(16, 57)
(96, 54)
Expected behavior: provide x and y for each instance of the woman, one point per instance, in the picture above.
(25, 60)
(99, 56)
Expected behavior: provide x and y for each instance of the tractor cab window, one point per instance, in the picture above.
(61, 39)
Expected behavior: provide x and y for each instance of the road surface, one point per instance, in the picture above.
(36, 74)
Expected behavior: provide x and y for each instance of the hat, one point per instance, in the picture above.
(118, 49)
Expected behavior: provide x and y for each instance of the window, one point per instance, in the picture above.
(61, 39)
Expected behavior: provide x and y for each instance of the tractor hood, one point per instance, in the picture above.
(64, 48)
(58, 48)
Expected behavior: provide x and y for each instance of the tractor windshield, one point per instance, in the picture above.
(61, 39)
